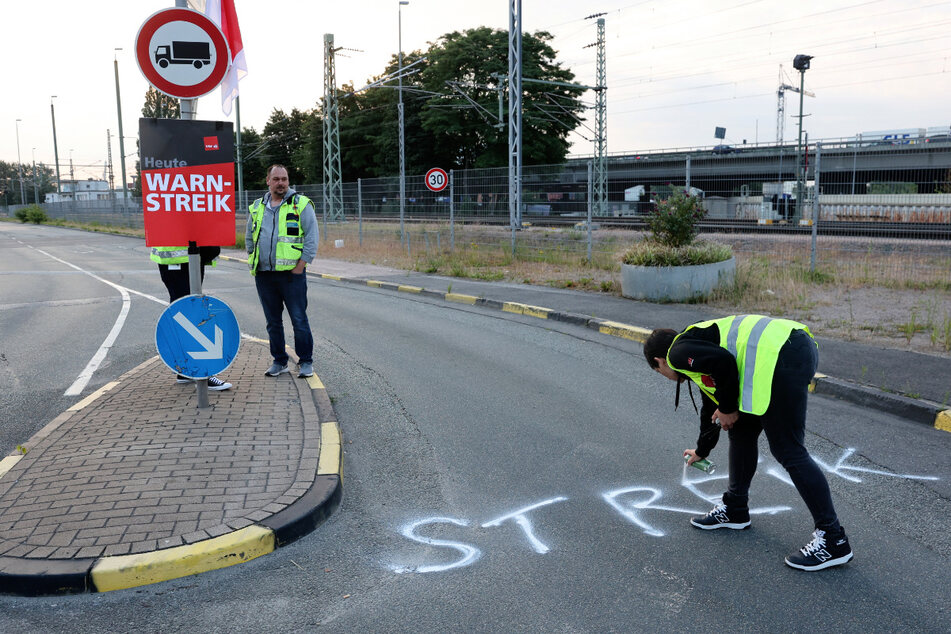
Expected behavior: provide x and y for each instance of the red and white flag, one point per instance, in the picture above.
(222, 13)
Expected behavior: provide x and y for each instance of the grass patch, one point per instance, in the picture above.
(652, 253)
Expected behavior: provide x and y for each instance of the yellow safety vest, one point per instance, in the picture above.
(169, 255)
(755, 342)
(290, 239)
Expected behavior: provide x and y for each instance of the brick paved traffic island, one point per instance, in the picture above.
(136, 484)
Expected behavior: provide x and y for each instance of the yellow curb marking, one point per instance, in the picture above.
(626, 331)
(7, 463)
(526, 309)
(943, 420)
(328, 276)
(314, 382)
(130, 571)
(374, 283)
(410, 289)
(462, 299)
(254, 339)
(330, 462)
(815, 380)
(92, 397)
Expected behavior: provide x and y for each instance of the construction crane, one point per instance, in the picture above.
(781, 103)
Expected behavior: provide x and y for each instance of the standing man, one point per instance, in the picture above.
(754, 373)
(173, 268)
(282, 240)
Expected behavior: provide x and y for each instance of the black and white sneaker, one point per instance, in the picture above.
(183, 379)
(722, 517)
(821, 552)
(216, 385)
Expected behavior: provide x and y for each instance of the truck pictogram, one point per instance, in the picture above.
(196, 53)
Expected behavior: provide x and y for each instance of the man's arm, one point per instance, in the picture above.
(308, 224)
(249, 235)
(706, 357)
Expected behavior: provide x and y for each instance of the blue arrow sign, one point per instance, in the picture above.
(197, 336)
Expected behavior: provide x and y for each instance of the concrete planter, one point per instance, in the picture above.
(675, 283)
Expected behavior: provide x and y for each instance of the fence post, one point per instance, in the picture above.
(815, 208)
(590, 202)
(452, 209)
(360, 210)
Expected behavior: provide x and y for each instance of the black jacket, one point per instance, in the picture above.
(698, 350)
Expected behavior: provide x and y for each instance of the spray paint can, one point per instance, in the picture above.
(704, 465)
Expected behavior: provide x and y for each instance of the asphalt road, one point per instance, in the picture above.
(501, 473)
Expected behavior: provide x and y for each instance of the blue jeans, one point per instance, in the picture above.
(277, 289)
(785, 424)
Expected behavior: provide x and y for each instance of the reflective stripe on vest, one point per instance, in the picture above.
(755, 342)
(288, 247)
(169, 255)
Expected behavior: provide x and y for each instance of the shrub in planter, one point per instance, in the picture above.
(671, 264)
(673, 236)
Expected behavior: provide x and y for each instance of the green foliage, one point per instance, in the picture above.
(673, 222)
(33, 213)
(285, 143)
(892, 188)
(160, 106)
(653, 253)
(440, 126)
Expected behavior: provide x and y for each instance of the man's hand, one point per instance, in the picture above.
(726, 420)
(299, 267)
(691, 456)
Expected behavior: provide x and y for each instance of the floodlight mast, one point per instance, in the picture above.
(800, 63)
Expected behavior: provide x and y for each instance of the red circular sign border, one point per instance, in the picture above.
(163, 17)
(443, 172)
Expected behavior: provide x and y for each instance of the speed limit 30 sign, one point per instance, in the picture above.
(436, 179)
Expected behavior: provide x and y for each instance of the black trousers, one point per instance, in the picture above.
(176, 280)
(784, 423)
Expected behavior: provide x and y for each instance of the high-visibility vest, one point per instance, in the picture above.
(290, 237)
(755, 342)
(169, 255)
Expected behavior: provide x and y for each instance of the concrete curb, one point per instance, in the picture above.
(37, 576)
(918, 410)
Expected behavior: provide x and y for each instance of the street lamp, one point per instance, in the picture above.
(55, 148)
(125, 193)
(36, 191)
(800, 63)
(19, 165)
(399, 109)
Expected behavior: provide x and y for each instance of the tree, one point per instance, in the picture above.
(283, 136)
(441, 127)
(10, 182)
(160, 106)
(478, 59)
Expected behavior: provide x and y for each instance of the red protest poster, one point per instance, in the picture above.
(188, 178)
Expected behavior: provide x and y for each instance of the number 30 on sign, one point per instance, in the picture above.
(436, 179)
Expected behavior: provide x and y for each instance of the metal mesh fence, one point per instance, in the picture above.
(869, 211)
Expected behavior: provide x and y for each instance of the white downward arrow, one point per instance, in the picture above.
(212, 350)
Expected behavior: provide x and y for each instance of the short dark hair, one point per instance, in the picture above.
(276, 166)
(657, 345)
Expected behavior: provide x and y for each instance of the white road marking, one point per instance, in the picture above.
(83, 379)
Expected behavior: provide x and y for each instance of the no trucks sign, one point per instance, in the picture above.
(187, 182)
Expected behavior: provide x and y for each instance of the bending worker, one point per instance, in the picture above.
(282, 239)
(754, 373)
